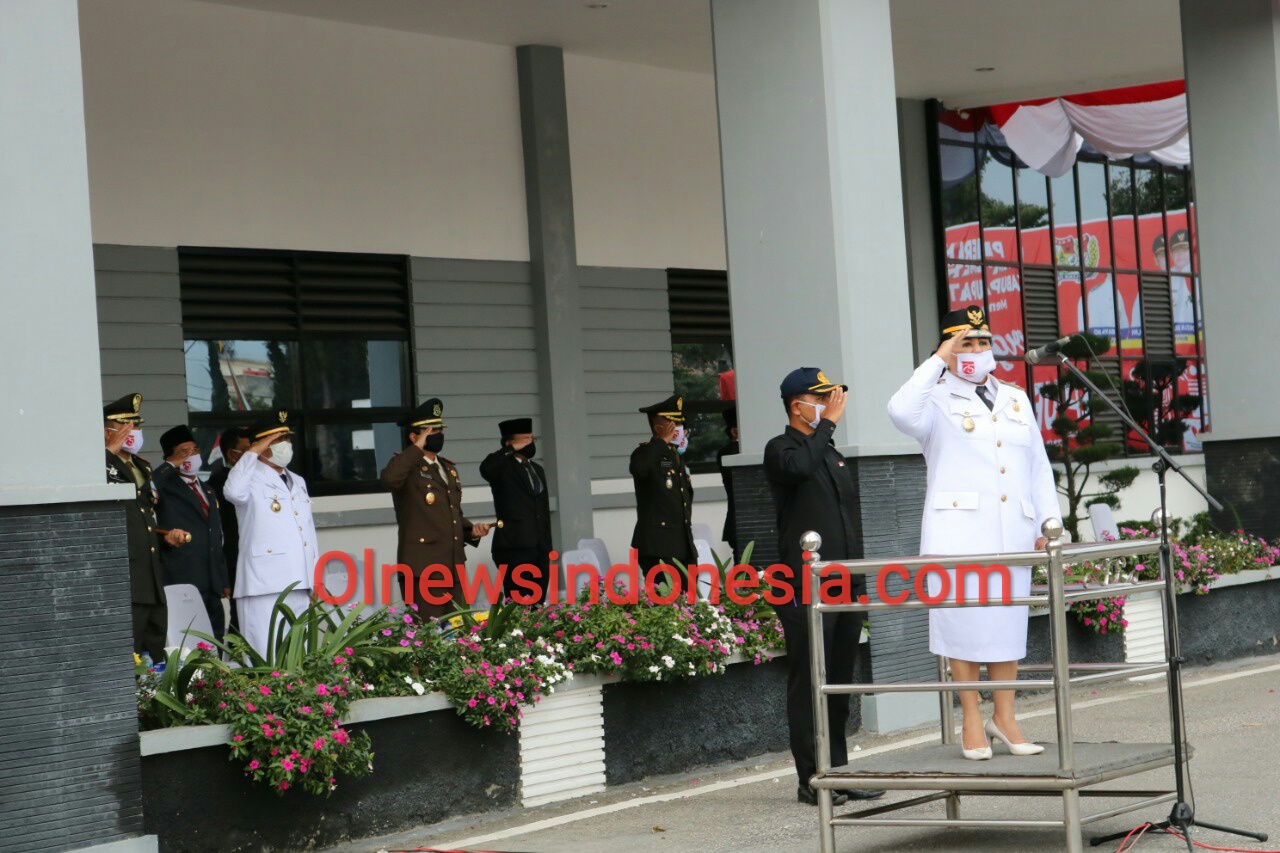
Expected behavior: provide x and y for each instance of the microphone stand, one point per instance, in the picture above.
(1182, 816)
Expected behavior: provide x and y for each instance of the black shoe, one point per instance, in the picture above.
(863, 794)
(805, 794)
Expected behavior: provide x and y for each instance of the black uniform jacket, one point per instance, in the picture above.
(664, 503)
(230, 524)
(525, 513)
(146, 578)
(812, 490)
(729, 534)
(428, 509)
(199, 562)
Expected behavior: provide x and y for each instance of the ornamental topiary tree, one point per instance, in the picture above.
(1083, 441)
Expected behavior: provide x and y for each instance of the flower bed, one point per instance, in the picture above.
(1199, 558)
(284, 709)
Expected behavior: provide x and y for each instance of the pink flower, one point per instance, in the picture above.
(305, 709)
(237, 738)
(286, 764)
(275, 675)
(204, 647)
(404, 642)
(322, 690)
(471, 703)
(284, 786)
(254, 765)
(339, 659)
(319, 743)
(249, 706)
(264, 690)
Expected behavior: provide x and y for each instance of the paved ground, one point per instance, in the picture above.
(1233, 713)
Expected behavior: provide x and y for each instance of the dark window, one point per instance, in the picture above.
(702, 359)
(1107, 248)
(322, 335)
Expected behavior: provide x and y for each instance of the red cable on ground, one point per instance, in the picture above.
(1142, 829)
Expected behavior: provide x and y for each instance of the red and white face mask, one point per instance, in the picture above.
(975, 366)
(133, 443)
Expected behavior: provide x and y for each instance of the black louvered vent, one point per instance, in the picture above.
(1111, 390)
(699, 305)
(283, 294)
(1040, 306)
(1157, 317)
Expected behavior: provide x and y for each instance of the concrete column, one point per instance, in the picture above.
(817, 249)
(1232, 56)
(63, 557)
(50, 388)
(553, 256)
(813, 208)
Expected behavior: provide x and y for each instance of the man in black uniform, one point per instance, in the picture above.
(813, 490)
(233, 442)
(523, 505)
(121, 420)
(664, 491)
(729, 534)
(188, 504)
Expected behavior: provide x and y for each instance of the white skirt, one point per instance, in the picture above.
(981, 634)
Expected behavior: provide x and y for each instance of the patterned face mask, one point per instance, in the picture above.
(975, 366)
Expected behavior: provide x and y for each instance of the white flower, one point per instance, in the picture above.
(516, 632)
(408, 679)
(418, 688)
(669, 661)
(655, 669)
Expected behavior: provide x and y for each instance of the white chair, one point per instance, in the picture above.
(705, 556)
(1103, 521)
(186, 613)
(702, 531)
(582, 579)
(597, 547)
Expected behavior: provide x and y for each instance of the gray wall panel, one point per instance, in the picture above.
(473, 343)
(627, 344)
(140, 334)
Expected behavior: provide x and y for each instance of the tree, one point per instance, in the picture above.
(1083, 442)
(1152, 398)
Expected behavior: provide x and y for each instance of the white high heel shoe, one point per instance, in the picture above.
(1028, 748)
(982, 753)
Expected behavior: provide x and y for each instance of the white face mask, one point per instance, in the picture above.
(680, 439)
(818, 409)
(975, 366)
(191, 465)
(133, 443)
(282, 453)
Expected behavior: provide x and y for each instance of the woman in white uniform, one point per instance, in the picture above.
(990, 487)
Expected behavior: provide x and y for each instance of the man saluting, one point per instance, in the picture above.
(520, 498)
(427, 495)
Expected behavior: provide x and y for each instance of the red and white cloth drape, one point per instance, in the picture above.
(1047, 134)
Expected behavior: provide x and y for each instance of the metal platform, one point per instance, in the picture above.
(940, 766)
(1067, 770)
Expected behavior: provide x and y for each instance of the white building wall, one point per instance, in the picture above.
(218, 126)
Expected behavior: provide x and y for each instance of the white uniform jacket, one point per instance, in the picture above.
(990, 487)
(277, 534)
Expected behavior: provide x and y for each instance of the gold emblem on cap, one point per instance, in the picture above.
(431, 498)
(975, 316)
(822, 378)
(284, 416)
(437, 410)
(679, 404)
(968, 424)
(137, 403)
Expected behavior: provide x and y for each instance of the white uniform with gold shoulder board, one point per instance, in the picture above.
(990, 487)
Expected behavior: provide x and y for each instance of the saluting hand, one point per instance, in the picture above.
(836, 402)
(667, 431)
(420, 440)
(947, 347)
(261, 445)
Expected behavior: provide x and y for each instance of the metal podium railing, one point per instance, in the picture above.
(1066, 770)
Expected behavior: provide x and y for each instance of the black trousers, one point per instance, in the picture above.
(841, 633)
(150, 626)
(514, 557)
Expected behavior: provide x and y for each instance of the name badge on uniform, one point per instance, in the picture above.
(665, 462)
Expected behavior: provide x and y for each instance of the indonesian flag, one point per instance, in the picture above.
(1047, 134)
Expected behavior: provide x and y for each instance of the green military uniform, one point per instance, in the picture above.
(664, 495)
(146, 578)
(427, 496)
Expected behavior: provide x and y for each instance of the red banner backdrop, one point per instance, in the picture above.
(1104, 303)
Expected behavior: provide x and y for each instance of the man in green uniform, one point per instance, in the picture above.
(121, 420)
(427, 495)
(664, 490)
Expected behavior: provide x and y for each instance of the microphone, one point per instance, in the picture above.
(1039, 354)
